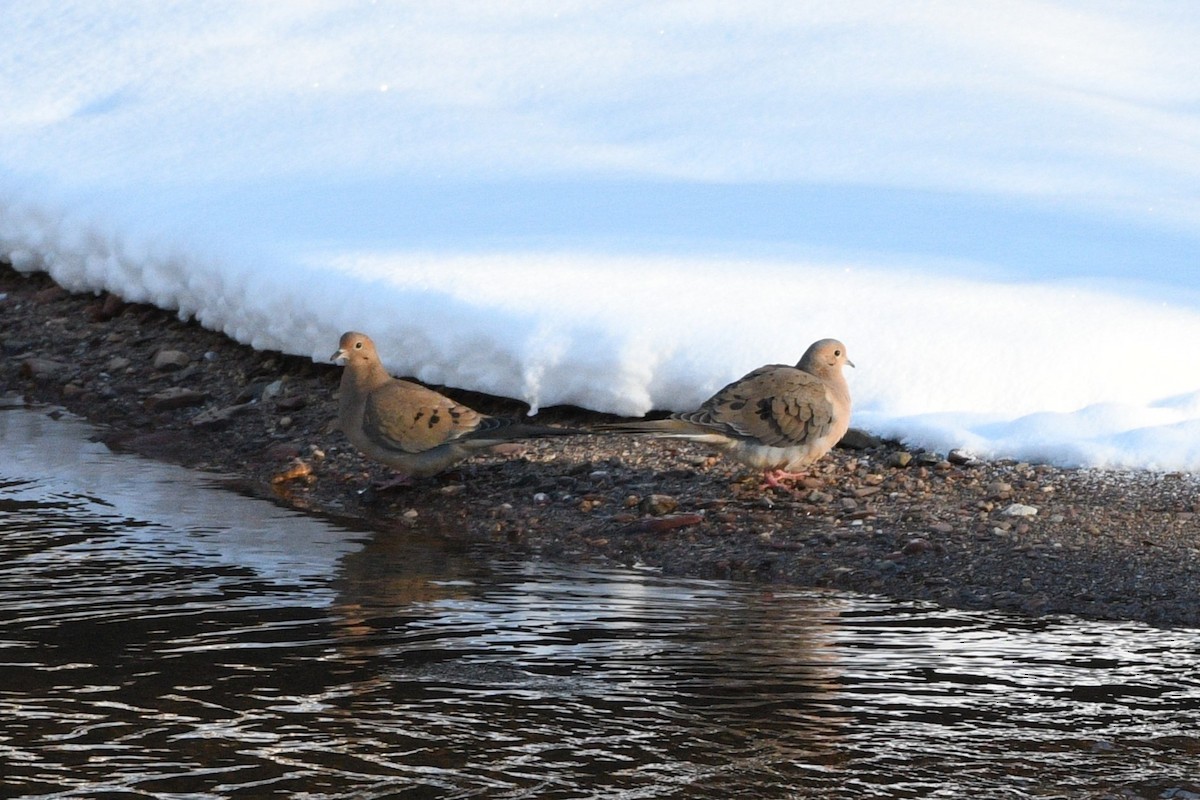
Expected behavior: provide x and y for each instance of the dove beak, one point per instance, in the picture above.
(338, 355)
(849, 362)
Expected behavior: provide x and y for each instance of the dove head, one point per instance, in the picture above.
(356, 348)
(824, 358)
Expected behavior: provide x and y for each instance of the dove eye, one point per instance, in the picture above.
(837, 353)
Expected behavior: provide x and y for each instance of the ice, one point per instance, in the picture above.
(625, 207)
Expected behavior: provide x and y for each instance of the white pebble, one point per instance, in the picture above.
(1019, 510)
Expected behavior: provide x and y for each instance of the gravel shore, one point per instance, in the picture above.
(873, 517)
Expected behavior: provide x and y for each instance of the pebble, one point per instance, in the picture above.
(960, 458)
(999, 489)
(43, 368)
(664, 523)
(174, 398)
(1019, 510)
(657, 505)
(216, 419)
(171, 360)
(298, 469)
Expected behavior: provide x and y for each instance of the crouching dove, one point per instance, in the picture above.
(415, 430)
(777, 418)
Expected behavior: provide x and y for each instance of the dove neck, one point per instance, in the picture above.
(837, 384)
(366, 375)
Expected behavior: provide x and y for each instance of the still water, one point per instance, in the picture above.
(162, 637)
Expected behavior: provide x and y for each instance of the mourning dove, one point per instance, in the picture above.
(777, 418)
(412, 429)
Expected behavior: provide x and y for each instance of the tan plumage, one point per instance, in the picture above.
(411, 428)
(777, 418)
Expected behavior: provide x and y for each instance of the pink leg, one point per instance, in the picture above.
(781, 479)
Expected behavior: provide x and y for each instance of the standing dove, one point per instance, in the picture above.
(412, 429)
(777, 418)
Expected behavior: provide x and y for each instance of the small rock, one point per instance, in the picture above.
(961, 458)
(272, 390)
(216, 419)
(111, 306)
(296, 470)
(170, 360)
(49, 295)
(117, 364)
(915, 546)
(1019, 510)
(664, 523)
(999, 489)
(250, 393)
(658, 504)
(282, 451)
(43, 369)
(901, 458)
(856, 439)
(411, 513)
(174, 398)
(541, 499)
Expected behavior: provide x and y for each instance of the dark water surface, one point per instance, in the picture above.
(160, 637)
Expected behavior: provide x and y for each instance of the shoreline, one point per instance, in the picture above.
(877, 519)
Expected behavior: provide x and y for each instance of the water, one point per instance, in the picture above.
(161, 637)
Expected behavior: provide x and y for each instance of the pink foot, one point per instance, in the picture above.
(781, 479)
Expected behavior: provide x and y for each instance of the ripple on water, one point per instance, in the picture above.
(161, 637)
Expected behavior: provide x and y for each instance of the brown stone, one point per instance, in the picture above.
(174, 398)
(658, 504)
(44, 369)
(170, 360)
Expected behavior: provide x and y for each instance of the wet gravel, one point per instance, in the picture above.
(872, 517)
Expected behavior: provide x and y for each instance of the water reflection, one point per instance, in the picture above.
(162, 638)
